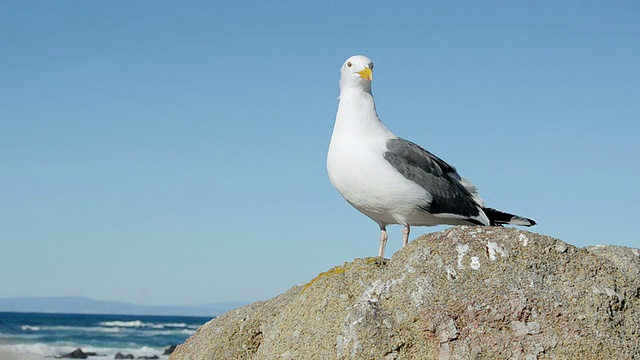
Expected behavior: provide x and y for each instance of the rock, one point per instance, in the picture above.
(169, 350)
(76, 354)
(149, 357)
(464, 293)
(122, 356)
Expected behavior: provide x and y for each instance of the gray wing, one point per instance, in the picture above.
(437, 177)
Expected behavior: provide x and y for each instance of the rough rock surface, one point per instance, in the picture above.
(464, 293)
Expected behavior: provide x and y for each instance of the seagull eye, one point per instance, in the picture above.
(371, 66)
(349, 64)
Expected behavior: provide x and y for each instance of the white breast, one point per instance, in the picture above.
(358, 170)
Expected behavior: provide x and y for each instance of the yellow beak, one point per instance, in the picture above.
(366, 74)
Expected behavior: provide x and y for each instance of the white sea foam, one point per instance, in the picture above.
(29, 328)
(153, 329)
(138, 324)
(70, 328)
(42, 335)
(176, 325)
(172, 332)
(36, 348)
(110, 352)
(43, 349)
(134, 323)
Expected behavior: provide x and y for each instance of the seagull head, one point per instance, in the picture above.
(357, 72)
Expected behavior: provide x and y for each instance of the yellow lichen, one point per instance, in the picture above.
(333, 271)
(356, 264)
(375, 260)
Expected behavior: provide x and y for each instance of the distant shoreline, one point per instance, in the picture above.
(100, 314)
(75, 305)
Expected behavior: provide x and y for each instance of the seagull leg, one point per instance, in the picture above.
(405, 235)
(383, 240)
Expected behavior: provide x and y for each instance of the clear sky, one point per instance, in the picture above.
(164, 152)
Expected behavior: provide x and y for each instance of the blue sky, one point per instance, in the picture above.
(174, 152)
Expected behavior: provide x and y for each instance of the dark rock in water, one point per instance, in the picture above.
(169, 350)
(464, 293)
(76, 354)
(149, 357)
(122, 356)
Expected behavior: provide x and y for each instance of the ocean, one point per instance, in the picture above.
(105, 335)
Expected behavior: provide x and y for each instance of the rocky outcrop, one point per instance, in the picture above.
(123, 356)
(465, 293)
(77, 354)
(169, 350)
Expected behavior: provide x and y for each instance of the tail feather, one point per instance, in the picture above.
(498, 218)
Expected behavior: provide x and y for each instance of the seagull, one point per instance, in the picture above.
(392, 180)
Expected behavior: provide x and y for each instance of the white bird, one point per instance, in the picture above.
(392, 180)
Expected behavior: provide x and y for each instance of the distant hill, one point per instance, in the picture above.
(83, 305)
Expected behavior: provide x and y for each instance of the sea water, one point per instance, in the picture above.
(107, 335)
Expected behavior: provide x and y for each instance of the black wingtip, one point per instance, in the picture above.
(498, 218)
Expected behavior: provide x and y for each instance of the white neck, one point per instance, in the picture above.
(357, 113)
(354, 84)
